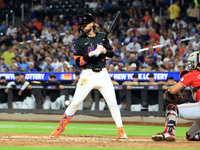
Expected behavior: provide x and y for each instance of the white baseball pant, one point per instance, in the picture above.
(101, 81)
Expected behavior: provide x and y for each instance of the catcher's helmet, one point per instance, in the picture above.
(86, 18)
(193, 60)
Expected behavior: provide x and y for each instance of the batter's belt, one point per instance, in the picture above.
(96, 69)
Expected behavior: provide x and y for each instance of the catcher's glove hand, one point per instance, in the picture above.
(173, 97)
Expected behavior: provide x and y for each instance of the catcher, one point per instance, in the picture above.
(188, 111)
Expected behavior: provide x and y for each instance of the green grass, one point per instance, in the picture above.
(83, 129)
(80, 129)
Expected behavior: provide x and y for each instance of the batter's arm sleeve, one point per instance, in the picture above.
(109, 48)
(10, 84)
(81, 60)
(24, 86)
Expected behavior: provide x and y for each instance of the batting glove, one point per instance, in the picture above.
(94, 53)
(101, 49)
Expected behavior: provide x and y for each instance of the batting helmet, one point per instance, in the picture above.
(193, 60)
(86, 18)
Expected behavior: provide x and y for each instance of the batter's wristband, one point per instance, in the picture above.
(86, 57)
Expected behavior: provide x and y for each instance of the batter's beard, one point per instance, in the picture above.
(87, 31)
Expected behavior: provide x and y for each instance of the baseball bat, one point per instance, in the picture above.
(117, 15)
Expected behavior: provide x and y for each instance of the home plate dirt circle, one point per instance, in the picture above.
(10, 139)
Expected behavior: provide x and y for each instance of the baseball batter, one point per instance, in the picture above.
(90, 55)
(188, 111)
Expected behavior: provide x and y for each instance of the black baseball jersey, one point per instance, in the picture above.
(15, 91)
(3, 95)
(84, 44)
(55, 93)
(26, 92)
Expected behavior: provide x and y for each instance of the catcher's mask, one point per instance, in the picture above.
(85, 19)
(193, 60)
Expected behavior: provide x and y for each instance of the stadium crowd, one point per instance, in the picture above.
(46, 42)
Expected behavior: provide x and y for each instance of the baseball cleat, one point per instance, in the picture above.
(193, 138)
(164, 137)
(122, 134)
(56, 132)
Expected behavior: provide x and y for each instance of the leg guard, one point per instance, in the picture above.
(171, 118)
(64, 120)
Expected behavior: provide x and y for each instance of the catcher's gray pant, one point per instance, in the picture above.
(3, 105)
(29, 102)
(101, 81)
(17, 105)
(57, 104)
(191, 111)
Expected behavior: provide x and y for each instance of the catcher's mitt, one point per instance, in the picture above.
(173, 97)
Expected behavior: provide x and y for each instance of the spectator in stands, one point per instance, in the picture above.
(129, 36)
(5, 40)
(3, 26)
(171, 67)
(178, 37)
(68, 37)
(120, 67)
(188, 48)
(64, 61)
(173, 46)
(48, 67)
(174, 11)
(31, 67)
(3, 48)
(15, 67)
(3, 65)
(134, 46)
(153, 34)
(24, 64)
(146, 17)
(133, 67)
(164, 39)
(178, 22)
(55, 63)
(180, 66)
(145, 36)
(8, 55)
(134, 60)
(196, 43)
(185, 62)
(193, 13)
(182, 50)
(114, 64)
(140, 57)
(151, 52)
(42, 64)
(152, 63)
(11, 30)
(2, 4)
(37, 24)
(159, 60)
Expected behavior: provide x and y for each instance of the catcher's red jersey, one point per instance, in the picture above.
(192, 78)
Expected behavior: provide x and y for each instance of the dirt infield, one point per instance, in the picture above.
(90, 141)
